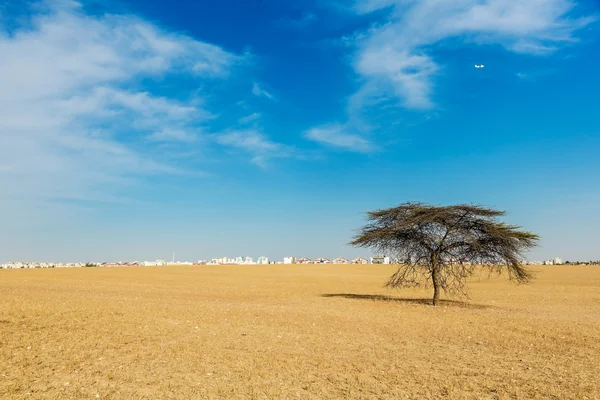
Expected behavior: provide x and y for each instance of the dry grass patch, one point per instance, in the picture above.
(283, 332)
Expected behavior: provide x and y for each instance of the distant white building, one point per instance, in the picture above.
(262, 260)
(221, 261)
(340, 260)
(322, 260)
(380, 260)
(157, 263)
(554, 261)
(533, 262)
(360, 260)
(289, 260)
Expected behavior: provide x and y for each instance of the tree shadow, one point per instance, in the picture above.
(425, 302)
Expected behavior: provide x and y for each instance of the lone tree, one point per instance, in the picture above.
(442, 246)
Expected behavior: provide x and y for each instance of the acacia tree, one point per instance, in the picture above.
(444, 245)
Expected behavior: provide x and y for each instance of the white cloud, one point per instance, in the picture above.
(250, 140)
(249, 118)
(173, 135)
(400, 73)
(258, 91)
(335, 135)
(395, 57)
(534, 75)
(256, 143)
(72, 112)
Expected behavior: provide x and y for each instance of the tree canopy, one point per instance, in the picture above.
(444, 245)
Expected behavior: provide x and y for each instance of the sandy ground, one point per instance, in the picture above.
(286, 332)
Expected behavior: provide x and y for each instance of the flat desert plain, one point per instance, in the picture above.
(294, 332)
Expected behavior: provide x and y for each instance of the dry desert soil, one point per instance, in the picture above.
(294, 332)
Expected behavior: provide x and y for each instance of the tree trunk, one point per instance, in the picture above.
(435, 277)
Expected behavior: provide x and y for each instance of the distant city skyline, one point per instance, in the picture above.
(249, 261)
(129, 130)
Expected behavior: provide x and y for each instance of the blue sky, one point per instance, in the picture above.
(131, 129)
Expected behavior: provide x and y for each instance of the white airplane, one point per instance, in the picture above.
(479, 66)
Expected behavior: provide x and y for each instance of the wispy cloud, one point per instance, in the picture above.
(395, 61)
(256, 144)
(258, 91)
(335, 136)
(534, 75)
(73, 111)
(249, 118)
(396, 58)
(173, 135)
(522, 75)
